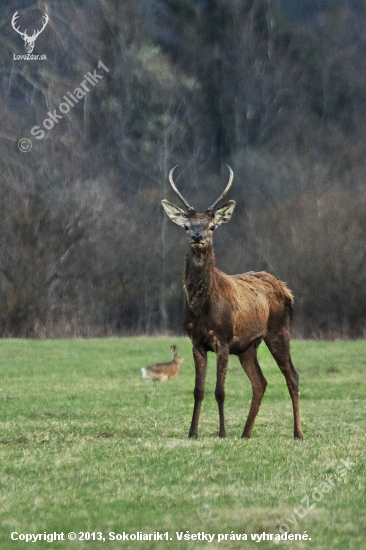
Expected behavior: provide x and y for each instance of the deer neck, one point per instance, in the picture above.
(198, 276)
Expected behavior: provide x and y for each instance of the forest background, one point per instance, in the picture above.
(275, 89)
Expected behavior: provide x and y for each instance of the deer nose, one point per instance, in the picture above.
(196, 237)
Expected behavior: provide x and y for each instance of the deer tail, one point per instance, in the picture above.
(288, 295)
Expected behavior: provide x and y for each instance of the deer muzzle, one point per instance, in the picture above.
(197, 238)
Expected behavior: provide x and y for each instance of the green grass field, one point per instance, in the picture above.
(87, 445)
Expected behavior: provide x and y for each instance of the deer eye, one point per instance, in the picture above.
(186, 227)
(212, 227)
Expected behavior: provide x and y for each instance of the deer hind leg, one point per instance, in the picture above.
(200, 363)
(249, 362)
(279, 346)
(222, 359)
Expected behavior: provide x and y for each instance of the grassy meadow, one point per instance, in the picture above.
(87, 445)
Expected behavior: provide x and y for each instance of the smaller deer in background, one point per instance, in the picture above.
(163, 371)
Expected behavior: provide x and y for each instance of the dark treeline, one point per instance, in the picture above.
(275, 89)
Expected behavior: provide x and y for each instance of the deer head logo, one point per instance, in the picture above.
(29, 41)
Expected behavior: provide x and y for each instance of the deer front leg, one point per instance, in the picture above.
(200, 363)
(222, 359)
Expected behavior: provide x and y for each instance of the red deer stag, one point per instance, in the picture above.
(231, 314)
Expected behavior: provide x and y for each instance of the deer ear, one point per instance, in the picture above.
(223, 214)
(177, 215)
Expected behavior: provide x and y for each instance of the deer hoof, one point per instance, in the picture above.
(218, 434)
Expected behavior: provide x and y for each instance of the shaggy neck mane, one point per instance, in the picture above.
(198, 272)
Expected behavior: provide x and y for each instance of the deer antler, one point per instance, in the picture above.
(24, 34)
(36, 34)
(225, 190)
(13, 21)
(176, 190)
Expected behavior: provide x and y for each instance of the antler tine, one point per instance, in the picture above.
(225, 190)
(37, 33)
(176, 190)
(13, 22)
(14, 18)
